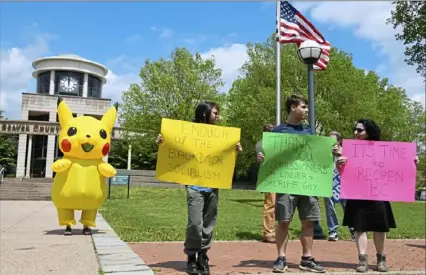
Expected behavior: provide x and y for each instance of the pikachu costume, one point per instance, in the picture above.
(80, 180)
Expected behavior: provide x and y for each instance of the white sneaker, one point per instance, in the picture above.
(333, 237)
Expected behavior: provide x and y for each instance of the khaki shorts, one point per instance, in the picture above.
(285, 206)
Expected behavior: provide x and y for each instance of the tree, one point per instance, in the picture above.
(421, 171)
(169, 89)
(343, 94)
(8, 151)
(411, 17)
(118, 154)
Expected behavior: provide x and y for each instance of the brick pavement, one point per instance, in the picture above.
(257, 257)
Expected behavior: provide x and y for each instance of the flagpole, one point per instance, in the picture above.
(278, 63)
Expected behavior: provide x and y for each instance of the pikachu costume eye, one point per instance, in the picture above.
(72, 131)
(103, 134)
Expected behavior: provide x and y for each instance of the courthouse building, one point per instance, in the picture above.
(79, 81)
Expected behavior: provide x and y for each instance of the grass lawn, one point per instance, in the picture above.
(160, 214)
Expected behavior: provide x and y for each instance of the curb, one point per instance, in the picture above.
(115, 256)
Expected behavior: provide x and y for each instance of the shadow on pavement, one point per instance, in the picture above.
(269, 264)
(75, 231)
(328, 264)
(416, 245)
(176, 265)
(256, 263)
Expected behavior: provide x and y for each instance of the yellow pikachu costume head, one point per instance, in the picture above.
(80, 180)
(85, 137)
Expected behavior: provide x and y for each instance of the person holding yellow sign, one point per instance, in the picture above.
(202, 205)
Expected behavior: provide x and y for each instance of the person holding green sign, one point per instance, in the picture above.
(286, 204)
(202, 205)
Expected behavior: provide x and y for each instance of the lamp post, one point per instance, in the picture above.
(309, 53)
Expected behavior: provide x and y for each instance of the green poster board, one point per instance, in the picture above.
(296, 164)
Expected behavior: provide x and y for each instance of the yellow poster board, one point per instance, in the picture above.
(197, 154)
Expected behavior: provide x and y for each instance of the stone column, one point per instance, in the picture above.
(29, 154)
(22, 145)
(50, 154)
(22, 152)
(52, 83)
(85, 84)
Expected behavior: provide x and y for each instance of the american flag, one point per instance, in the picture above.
(295, 28)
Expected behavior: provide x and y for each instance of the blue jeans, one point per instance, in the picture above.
(330, 211)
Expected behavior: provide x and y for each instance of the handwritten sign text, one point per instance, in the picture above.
(383, 171)
(197, 154)
(296, 164)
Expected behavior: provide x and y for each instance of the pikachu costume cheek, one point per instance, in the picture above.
(105, 149)
(66, 146)
(81, 174)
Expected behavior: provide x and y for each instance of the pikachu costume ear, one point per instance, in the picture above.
(64, 113)
(108, 119)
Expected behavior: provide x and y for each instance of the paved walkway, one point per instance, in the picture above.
(32, 243)
(257, 257)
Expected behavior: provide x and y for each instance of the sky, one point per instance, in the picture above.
(122, 35)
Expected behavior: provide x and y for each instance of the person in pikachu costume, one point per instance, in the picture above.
(80, 180)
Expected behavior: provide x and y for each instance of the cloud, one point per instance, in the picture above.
(16, 73)
(368, 21)
(191, 41)
(133, 38)
(194, 40)
(420, 97)
(117, 84)
(229, 59)
(164, 32)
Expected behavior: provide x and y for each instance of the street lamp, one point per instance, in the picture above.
(309, 53)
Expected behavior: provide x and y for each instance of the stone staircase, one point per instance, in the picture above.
(40, 188)
(34, 189)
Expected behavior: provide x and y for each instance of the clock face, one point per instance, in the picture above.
(68, 84)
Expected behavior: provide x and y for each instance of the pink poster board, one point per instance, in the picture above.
(379, 171)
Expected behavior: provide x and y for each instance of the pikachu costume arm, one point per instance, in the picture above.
(107, 170)
(108, 119)
(61, 165)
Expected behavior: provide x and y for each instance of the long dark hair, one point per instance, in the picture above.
(338, 136)
(372, 129)
(203, 112)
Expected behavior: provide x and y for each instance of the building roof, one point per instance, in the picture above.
(69, 57)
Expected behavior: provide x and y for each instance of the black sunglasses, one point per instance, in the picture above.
(359, 130)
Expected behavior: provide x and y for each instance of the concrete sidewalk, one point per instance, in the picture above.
(32, 242)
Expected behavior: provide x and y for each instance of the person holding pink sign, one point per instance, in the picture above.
(368, 215)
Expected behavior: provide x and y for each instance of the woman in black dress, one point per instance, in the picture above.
(368, 216)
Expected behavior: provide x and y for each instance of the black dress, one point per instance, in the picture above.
(369, 216)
